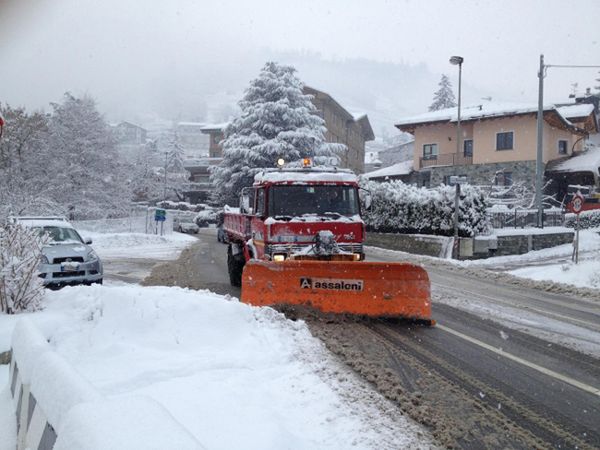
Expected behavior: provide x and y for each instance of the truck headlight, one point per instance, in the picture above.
(44, 260)
(279, 257)
(356, 256)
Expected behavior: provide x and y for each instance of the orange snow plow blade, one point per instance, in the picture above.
(375, 289)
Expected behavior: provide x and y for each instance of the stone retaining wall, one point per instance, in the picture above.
(418, 244)
(482, 247)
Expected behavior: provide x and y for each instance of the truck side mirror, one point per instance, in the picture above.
(366, 198)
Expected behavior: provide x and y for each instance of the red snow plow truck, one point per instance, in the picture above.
(297, 239)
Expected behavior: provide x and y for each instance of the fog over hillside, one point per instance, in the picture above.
(186, 60)
(385, 91)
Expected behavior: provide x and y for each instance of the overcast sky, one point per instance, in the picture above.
(113, 48)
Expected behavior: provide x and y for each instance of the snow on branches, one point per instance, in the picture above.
(277, 120)
(402, 208)
(443, 97)
(20, 253)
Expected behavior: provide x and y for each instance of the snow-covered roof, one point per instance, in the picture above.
(401, 168)
(484, 110)
(575, 110)
(588, 161)
(190, 124)
(306, 175)
(358, 115)
(214, 127)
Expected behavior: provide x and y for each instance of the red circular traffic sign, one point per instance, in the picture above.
(577, 203)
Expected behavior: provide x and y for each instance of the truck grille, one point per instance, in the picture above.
(283, 248)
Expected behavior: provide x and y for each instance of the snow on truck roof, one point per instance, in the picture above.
(299, 175)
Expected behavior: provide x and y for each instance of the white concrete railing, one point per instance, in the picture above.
(57, 408)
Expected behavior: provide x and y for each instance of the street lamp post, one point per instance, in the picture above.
(165, 178)
(457, 61)
(539, 163)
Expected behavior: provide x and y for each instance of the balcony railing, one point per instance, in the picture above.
(446, 159)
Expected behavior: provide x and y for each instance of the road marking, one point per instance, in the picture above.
(584, 387)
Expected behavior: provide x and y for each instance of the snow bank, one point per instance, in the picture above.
(28, 343)
(79, 415)
(235, 376)
(530, 231)
(124, 423)
(584, 274)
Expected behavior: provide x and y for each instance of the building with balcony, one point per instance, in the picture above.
(498, 143)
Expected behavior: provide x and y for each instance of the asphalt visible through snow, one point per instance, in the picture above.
(473, 382)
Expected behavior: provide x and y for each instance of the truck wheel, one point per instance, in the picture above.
(235, 266)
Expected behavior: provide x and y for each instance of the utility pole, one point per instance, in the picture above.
(539, 164)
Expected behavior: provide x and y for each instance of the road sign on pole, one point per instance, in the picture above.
(160, 215)
(576, 207)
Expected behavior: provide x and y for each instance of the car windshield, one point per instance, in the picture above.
(297, 200)
(61, 235)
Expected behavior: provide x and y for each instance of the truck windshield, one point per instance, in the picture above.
(297, 200)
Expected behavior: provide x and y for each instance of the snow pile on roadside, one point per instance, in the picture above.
(235, 376)
(584, 274)
(139, 245)
(553, 264)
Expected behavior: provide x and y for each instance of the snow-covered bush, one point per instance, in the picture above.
(20, 253)
(587, 219)
(402, 208)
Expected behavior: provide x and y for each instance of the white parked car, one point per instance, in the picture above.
(184, 223)
(67, 259)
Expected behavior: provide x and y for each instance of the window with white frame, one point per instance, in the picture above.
(430, 151)
(504, 140)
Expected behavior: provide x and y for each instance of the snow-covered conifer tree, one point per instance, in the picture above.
(443, 97)
(277, 121)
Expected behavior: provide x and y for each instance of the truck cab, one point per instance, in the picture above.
(289, 211)
(290, 208)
